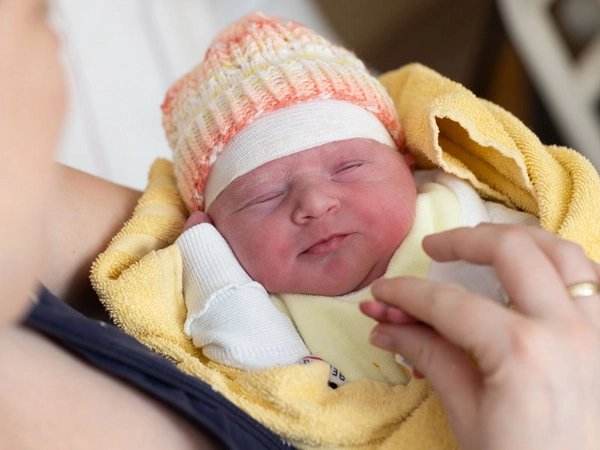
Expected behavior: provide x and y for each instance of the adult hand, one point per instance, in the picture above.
(537, 379)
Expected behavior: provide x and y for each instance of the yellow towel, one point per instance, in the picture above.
(446, 126)
(138, 277)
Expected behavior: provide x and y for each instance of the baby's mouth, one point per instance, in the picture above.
(326, 246)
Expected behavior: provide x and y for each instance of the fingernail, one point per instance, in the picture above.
(418, 374)
(408, 365)
(405, 362)
(382, 341)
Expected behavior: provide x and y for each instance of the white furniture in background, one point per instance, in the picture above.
(569, 87)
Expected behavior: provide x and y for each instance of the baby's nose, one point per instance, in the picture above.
(314, 201)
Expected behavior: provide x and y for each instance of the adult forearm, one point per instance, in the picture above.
(88, 211)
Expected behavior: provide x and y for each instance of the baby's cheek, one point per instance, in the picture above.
(271, 263)
(268, 276)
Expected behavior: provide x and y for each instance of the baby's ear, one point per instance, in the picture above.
(197, 218)
(409, 159)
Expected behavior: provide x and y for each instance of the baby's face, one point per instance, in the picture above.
(322, 221)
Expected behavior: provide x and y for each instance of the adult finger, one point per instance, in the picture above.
(476, 324)
(527, 274)
(385, 313)
(590, 305)
(447, 367)
(575, 268)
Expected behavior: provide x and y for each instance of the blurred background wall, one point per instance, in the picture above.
(121, 57)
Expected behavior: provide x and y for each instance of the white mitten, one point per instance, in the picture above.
(230, 316)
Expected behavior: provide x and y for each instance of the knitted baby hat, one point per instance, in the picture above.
(258, 68)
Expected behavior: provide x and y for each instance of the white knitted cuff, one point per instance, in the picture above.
(230, 316)
(209, 266)
(242, 328)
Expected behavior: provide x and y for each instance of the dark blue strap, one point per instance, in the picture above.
(119, 354)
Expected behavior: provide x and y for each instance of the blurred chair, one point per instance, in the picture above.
(569, 86)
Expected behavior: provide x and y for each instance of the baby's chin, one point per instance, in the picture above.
(327, 286)
(333, 291)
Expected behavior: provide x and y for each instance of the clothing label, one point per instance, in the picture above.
(336, 379)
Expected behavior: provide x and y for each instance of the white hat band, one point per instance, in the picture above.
(287, 131)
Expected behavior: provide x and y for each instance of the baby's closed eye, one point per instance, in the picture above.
(350, 171)
(263, 199)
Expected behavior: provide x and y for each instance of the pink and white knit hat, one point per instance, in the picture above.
(268, 88)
